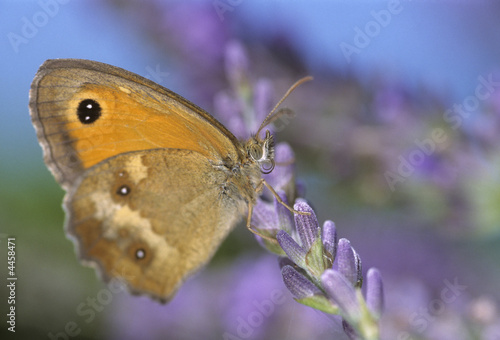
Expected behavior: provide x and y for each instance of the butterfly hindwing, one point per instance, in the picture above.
(138, 217)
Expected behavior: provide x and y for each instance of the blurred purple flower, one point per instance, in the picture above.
(237, 65)
(201, 44)
(245, 300)
(283, 175)
(246, 104)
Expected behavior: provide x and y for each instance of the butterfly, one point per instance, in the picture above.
(153, 182)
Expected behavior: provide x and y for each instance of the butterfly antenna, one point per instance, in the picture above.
(273, 115)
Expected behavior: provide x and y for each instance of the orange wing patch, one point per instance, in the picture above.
(125, 125)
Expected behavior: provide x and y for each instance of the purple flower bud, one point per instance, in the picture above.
(285, 155)
(237, 65)
(263, 99)
(359, 271)
(342, 292)
(374, 292)
(307, 225)
(285, 217)
(282, 177)
(298, 284)
(300, 188)
(273, 216)
(348, 261)
(264, 216)
(229, 110)
(292, 249)
(329, 238)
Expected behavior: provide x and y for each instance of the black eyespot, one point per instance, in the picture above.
(88, 111)
(124, 190)
(140, 254)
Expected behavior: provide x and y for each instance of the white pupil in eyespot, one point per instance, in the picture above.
(140, 254)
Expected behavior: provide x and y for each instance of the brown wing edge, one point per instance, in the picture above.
(48, 157)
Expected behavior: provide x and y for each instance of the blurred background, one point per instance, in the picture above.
(396, 140)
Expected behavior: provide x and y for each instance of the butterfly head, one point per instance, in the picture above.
(261, 151)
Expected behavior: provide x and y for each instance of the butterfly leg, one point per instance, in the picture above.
(278, 198)
(251, 228)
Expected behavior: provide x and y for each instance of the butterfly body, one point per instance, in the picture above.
(154, 183)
